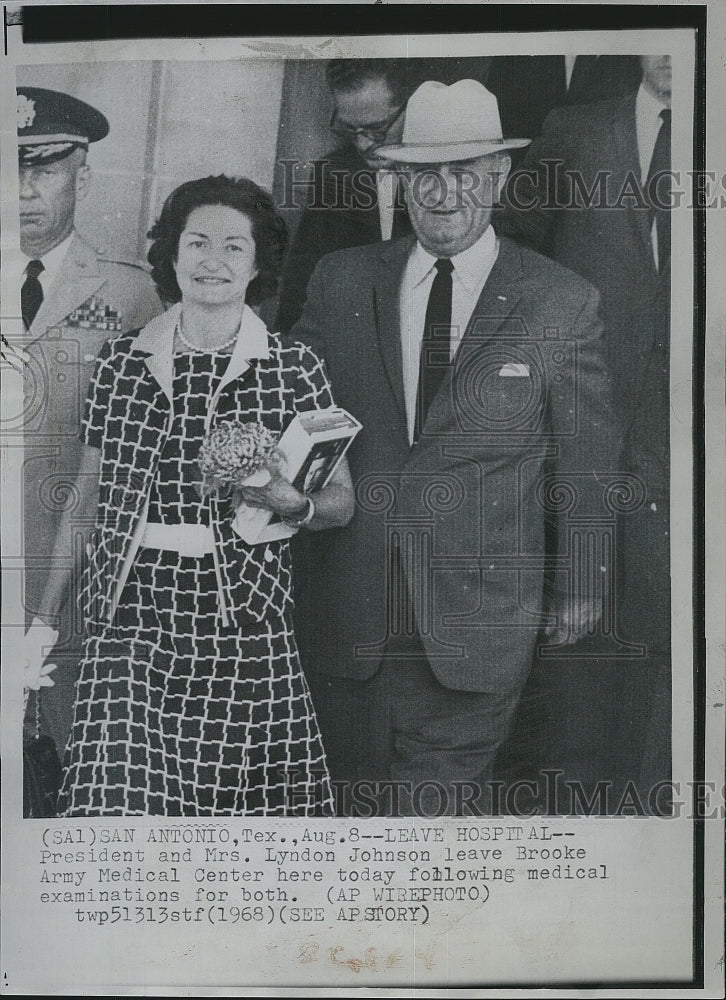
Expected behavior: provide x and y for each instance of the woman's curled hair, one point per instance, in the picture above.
(242, 194)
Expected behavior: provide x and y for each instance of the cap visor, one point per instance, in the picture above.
(46, 152)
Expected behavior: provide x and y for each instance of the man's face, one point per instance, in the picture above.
(371, 107)
(657, 77)
(450, 204)
(48, 195)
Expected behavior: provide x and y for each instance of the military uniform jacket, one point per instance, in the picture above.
(92, 299)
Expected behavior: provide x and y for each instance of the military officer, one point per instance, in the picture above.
(73, 298)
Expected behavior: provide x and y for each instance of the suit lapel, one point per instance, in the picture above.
(628, 160)
(499, 296)
(77, 280)
(157, 341)
(386, 305)
(497, 301)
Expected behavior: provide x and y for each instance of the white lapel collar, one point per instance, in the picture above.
(253, 343)
(156, 339)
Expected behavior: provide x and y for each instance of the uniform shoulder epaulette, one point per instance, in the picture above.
(107, 258)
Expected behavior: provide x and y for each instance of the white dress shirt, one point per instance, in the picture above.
(569, 66)
(52, 262)
(647, 126)
(471, 270)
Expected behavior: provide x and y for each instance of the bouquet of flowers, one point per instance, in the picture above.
(235, 454)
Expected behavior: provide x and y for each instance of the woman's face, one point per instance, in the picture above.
(216, 257)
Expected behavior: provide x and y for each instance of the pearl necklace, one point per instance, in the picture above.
(203, 350)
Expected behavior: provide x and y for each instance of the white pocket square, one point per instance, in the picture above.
(512, 370)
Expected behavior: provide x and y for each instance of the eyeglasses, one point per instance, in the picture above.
(376, 132)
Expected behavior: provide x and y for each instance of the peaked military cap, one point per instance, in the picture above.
(52, 124)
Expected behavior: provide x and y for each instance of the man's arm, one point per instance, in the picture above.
(311, 327)
(43, 632)
(587, 457)
(59, 584)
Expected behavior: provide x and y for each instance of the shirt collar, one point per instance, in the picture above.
(468, 265)
(53, 259)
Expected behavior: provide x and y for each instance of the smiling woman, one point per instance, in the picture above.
(191, 700)
(211, 267)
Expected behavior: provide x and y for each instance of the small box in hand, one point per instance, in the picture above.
(312, 446)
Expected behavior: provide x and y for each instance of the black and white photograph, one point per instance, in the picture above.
(353, 505)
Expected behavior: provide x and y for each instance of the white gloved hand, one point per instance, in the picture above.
(39, 641)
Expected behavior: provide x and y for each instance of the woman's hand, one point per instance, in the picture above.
(277, 495)
(334, 503)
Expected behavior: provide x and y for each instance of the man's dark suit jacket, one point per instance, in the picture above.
(607, 240)
(342, 211)
(645, 611)
(527, 88)
(612, 248)
(528, 386)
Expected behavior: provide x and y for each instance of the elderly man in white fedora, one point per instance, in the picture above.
(475, 366)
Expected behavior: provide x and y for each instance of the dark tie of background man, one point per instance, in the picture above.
(436, 342)
(31, 294)
(660, 193)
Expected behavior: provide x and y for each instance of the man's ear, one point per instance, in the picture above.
(83, 181)
(504, 168)
(404, 179)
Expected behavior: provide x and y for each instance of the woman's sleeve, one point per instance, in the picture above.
(98, 399)
(313, 390)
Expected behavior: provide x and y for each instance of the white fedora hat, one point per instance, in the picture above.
(443, 123)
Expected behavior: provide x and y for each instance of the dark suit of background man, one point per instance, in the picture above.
(355, 196)
(529, 87)
(468, 360)
(73, 298)
(620, 241)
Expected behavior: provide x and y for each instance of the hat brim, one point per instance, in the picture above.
(446, 152)
(30, 154)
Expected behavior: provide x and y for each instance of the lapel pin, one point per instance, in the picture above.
(502, 298)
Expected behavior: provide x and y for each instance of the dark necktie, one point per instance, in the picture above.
(659, 193)
(435, 344)
(31, 294)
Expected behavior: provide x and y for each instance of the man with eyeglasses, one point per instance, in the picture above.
(356, 198)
